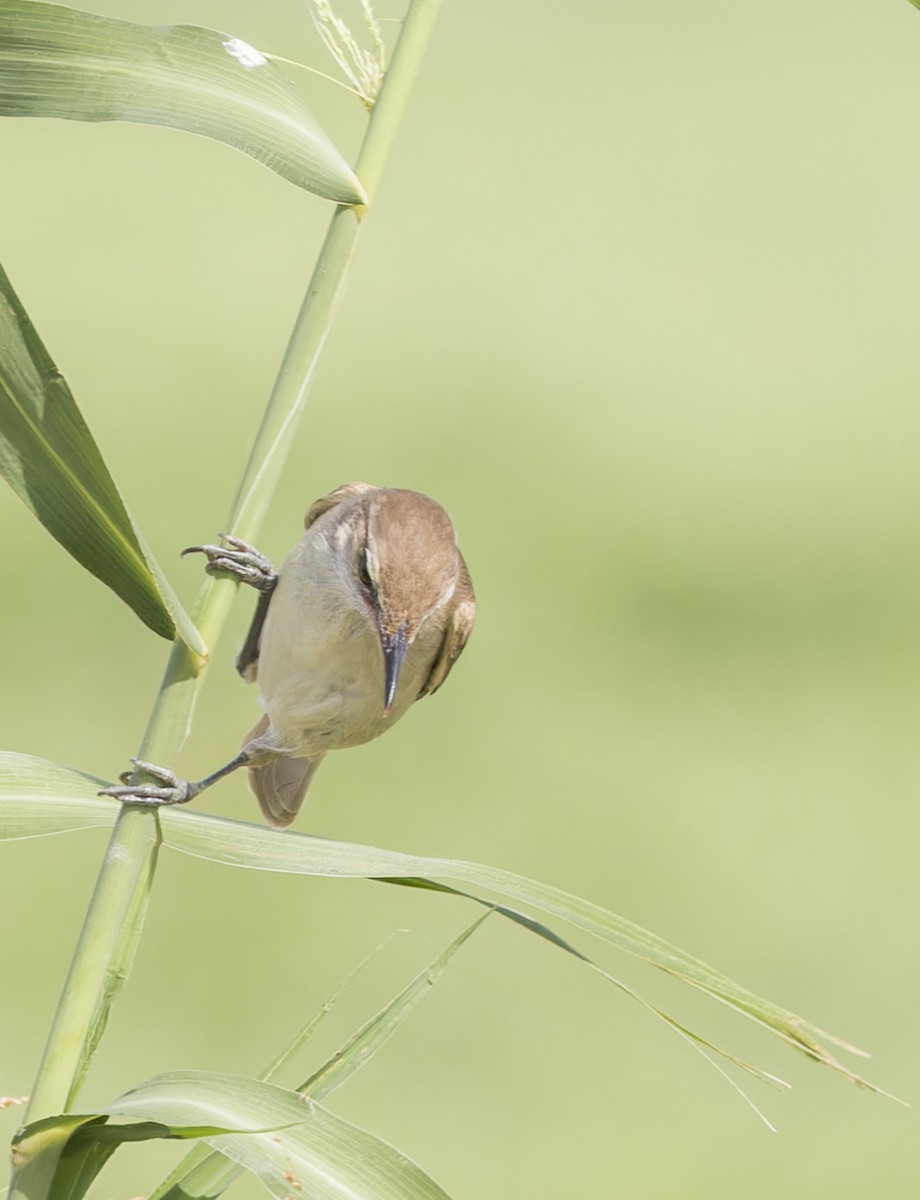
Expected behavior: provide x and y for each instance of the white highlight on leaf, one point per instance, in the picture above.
(246, 55)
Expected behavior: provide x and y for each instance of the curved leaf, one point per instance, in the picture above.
(37, 1157)
(50, 459)
(240, 844)
(59, 1157)
(59, 62)
(310, 1153)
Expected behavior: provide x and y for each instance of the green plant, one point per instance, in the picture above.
(49, 456)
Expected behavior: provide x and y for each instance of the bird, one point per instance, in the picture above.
(370, 611)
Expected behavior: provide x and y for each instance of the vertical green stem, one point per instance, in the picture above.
(115, 917)
(329, 277)
(391, 104)
(102, 959)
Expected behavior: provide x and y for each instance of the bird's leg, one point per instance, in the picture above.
(247, 660)
(248, 565)
(237, 558)
(172, 789)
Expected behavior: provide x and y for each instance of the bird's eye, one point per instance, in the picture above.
(364, 574)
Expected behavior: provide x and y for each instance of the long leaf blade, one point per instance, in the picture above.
(245, 845)
(238, 843)
(310, 1152)
(59, 62)
(52, 462)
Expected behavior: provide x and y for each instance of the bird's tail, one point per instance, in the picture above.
(281, 784)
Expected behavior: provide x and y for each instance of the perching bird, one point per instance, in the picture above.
(370, 611)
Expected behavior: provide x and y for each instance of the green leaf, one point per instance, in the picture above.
(59, 62)
(94, 1143)
(49, 458)
(36, 1154)
(59, 1157)
(295, 1146)
(38, 798)
(241, 844)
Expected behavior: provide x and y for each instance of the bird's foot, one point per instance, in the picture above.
(173, 790)
(237, 558)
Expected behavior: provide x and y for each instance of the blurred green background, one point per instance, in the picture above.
(638, 304)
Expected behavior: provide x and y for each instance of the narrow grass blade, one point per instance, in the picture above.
(306, 1031)
(50, 459)
(211, 1174)
(362, 1047)
(205, 1172)
(698, 1043)
(59, 62)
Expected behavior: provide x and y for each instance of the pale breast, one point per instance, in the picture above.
(320, 663)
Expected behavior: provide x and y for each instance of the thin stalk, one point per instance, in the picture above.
(329, 277)
(100, 963)
(115, 917)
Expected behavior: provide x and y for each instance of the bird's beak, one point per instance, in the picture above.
(394, 651)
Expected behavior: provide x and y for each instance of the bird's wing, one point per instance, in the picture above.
(458, 630)
(247, 662)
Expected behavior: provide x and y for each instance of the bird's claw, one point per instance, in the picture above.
(237, 558)
(173, 791)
